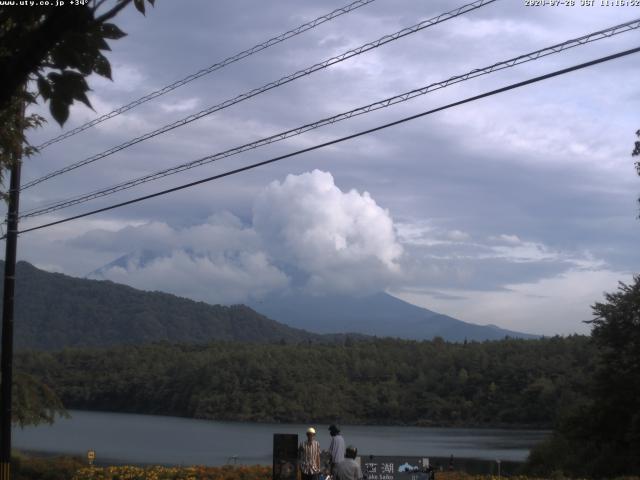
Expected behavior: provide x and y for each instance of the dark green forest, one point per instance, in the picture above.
(384, 381)
(54, 311)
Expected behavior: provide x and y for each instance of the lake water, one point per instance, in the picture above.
(149, 439)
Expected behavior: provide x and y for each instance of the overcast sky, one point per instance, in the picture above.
(518, 210)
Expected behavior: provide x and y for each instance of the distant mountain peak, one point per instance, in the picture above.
(379, 314)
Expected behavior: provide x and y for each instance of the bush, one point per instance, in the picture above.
(40, 468)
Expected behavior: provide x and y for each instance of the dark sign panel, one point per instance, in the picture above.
(378, 467)
(285, 456)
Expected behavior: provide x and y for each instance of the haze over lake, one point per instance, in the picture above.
(139, 439)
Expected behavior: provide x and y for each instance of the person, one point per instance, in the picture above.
(336, 448)
(309, 456)
(349, 469)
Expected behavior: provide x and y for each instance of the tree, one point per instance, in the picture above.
(51, 49)
(616, 332)
(601, 437)
(636, 153)
(58, 47)
(13, 140)
(34, 402)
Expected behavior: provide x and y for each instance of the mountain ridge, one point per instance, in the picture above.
(54, 311)
(378, 314)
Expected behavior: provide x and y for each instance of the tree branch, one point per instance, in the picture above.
(113, 12)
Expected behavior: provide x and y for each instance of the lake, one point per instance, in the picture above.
(150, 439)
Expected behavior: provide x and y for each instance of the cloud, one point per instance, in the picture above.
(306, 233)
(227, 277)
(153, 235)
(343, 241)
(438, 257)
(554, 305)
(181, 106)
(504, 238)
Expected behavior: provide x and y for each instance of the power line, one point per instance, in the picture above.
(282, 81)
(342, 139)
(606, 33)
(206, 71)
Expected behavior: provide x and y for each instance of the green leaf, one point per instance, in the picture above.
(44, 87)
(102, 67)
(59, 110)
(66, 88)
(83, 61)
(111, 31)
(54, 77)
(94, 40)
(139, 4)
(68, 85)
(82, 96)
(63, 56)
(102, 44)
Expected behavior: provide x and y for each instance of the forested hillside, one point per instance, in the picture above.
(54, 311)
(509, 382)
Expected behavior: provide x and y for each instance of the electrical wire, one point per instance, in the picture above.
(341, 139)
(535, 55)
(282, 81)
(206, 71)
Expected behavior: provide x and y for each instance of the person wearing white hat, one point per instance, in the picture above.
(309, 453)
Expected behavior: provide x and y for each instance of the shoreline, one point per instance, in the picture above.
(485, 427)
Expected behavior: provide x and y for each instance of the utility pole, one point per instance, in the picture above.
(6, 362)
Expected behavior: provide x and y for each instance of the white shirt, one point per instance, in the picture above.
(348, 469)
(336, 448)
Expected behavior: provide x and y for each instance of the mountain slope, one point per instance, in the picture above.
(379, 314)
(55, 311)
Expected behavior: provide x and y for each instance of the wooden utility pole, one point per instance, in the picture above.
(6, 362)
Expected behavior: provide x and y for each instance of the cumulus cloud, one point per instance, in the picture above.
(343, 241)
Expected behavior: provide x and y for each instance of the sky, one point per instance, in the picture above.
(518, 210)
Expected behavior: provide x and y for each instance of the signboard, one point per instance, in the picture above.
(285, 456)
(379, 467)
